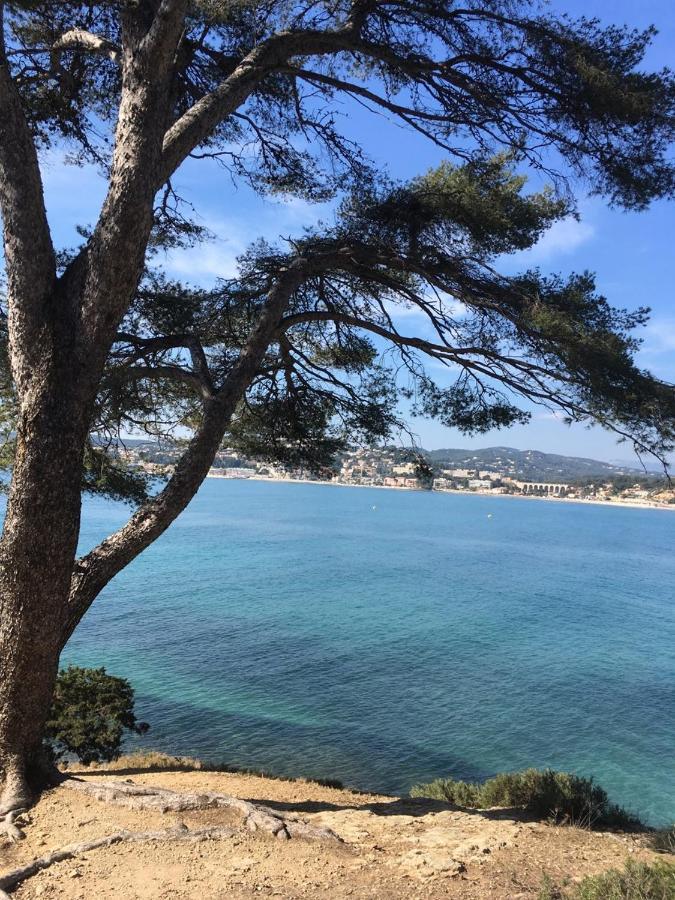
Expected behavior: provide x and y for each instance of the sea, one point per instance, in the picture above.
(384, 637)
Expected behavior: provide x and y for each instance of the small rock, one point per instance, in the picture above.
(453, 868)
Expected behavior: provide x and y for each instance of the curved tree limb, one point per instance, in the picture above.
(170, 372)
(80, 39)
(94, 571)
(28, 249)
(195, 125)
(167, 25)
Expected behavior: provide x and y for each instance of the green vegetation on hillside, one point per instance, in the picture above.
(90, 712)
(531, 465)
(637, 881)
(546, 794)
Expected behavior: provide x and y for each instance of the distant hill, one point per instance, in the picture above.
(528, 465)
(524, 465)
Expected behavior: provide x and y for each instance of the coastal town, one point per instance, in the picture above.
(402, 469)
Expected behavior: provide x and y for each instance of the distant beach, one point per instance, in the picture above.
(628, 504)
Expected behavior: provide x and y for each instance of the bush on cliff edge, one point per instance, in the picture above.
(545, 794)
(90, 712)
(636, 881)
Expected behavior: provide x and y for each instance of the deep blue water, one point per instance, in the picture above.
(385, 637)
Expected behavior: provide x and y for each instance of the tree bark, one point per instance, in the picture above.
(60, 335)
(37, 551)
(61, 331)
(44, 594)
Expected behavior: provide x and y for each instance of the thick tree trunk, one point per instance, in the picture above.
(37, 551)
(60, 331)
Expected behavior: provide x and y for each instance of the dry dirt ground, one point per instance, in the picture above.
(392, 848)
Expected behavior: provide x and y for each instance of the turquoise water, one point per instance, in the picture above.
(384, 637)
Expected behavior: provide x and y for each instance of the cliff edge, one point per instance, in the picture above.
(372, 846)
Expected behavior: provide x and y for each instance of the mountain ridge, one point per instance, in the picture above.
(528, 465)
(525, 465)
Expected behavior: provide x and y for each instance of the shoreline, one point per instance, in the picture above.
(625, 504)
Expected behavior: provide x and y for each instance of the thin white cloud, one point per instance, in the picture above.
(213, 258)
(562, 238)
(448, 306)
(297, 212)
(203, 264)
(659, 337)
(54, 166)
(217, 258)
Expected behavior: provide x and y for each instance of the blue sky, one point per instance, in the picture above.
(632, 254)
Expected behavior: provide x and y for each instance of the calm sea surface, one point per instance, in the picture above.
(384, 637)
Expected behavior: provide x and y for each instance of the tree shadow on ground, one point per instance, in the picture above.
(417, 807)
(400, 806)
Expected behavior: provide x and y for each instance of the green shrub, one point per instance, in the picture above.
(548, 890)
(546, 794)
(636, 881)
(461, 793)
(90, 712)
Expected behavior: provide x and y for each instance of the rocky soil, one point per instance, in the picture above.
(390, 848)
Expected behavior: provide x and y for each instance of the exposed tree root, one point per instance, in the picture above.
(133, 796)
(9, 827)
(177, 833)
(14, 801)
(16, 794)
(17, 798)
(256, 816)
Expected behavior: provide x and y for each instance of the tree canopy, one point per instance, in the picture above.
(496, 86)
(432, 245)
(255, 83)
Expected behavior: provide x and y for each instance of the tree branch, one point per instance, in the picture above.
(167, 22)
(108, 269)
(95, 570)
(172, 373)
(428, 347)
(29, 252)
(154, 343)
(79, 39)
(195, 125)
